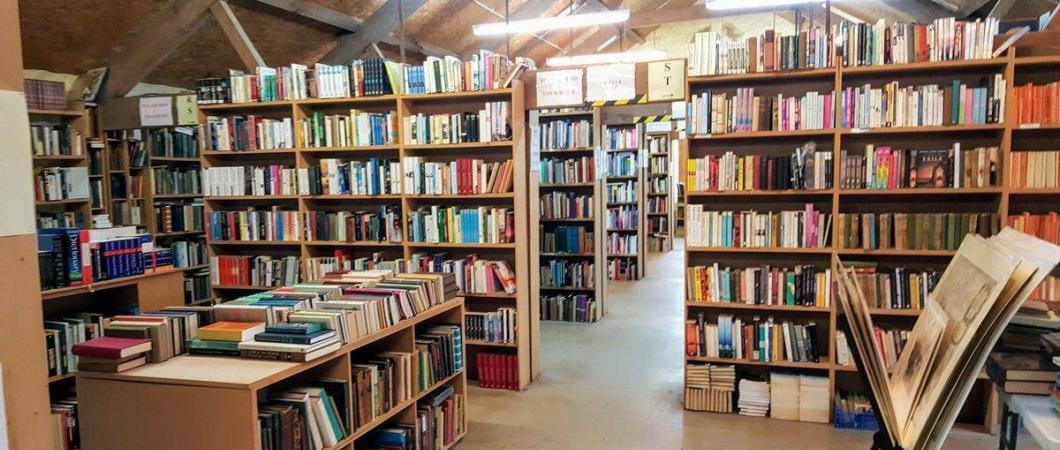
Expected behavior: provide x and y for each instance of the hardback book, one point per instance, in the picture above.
(1004, 367)
(980, 291)
(231, 331)
(287, 338)
(297, 328)
(114, 365)
(112, 347)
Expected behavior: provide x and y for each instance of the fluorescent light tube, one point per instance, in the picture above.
(606, 58)
(551, 23)
(721, 5)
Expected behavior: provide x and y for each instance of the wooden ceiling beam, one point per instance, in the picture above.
(922, 11)
(156, 39)
(377, 27)
(531, 9)
(246, 50)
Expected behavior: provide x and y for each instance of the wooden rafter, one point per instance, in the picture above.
(374, 29)
(248, 54)
(157, 38)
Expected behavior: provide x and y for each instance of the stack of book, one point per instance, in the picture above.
(48, 139)
(290, 341)
(257, 181)
(754, 398)
(309, 417)
(572, 240)
(709, 387)
(111, 354)
(332, 176)
(44, 94)
(381, 225)
(379, 384)
(60, 183)
(223, 338)
(464, 176)
(261, 270)
(251, 225)
(1037, 104)
(357, 129)
(567, 274)
(566, 205)
(438, 356)
(1022, 373)
(814, 399)
(497, 370)
(465, 225)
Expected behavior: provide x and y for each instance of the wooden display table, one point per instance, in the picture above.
(209, 402)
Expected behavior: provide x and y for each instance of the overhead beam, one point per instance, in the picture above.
(599, 5)
(919, 10)
(157, 38)
(246, 50)
(374, 29)
(1001, 8)
(531, 9)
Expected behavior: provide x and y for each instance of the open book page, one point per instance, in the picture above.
(1042, 257)
(861, 331)
(965, 294)
(916, 361)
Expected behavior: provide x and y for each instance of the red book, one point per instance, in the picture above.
(112, 347)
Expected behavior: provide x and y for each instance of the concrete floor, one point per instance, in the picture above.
(617, 385)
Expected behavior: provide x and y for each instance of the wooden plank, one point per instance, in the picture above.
(248, 54)
(377, 27)
(146, 49)
(317, 13)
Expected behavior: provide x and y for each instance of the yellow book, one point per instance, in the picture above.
(231, 331)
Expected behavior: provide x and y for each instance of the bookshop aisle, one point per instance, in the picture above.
(617, 385)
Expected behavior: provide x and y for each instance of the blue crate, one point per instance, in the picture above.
(865, 421)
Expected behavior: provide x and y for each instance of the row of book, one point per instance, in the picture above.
(574, 240)
(255, 181)
(625, 217)
(565, 134)
(490, 124)
(168, 180)
(1035, 170)
(621, 192)
(657, 205)
(333, 176)
(729, 172)
(60, 219)
(558, 273)
(568, 170)
(464, 176)
(622, 164)
(464, 225)
(711, 53)
(720, 113)
(803, 285)
(1037, 104)
(483, 71)
(60, 183)
(659, 165)
(187, 253)
(197, 286)
(710, 387)
(565, 205)
(893, 105)
(440, 420)
(894, 168)
(497, 370)
(944, 39)
(48, 139)
(622, 138)
(568, 308)
(473, 274)
(74, 257)
(246, 133)
(272, 225)
(175, 142)
(754, 339)
(174, 217)
(895, 287)
(752, 229)
(257, 270)
(357, 129)
(497, 326)
(381, 225)
(65, 423)
(622, 269)
(622, 244)
(44, 94)
(913, 231)
(1042, 226)
(889, 343)
(312, 416)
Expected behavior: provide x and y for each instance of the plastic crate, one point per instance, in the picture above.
(865, 421)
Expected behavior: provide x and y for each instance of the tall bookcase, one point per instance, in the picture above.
(586, 303)
(625, 216)
(78, 122)
(1008, 136)
(130, 157)
(515, 254)
(659, 190)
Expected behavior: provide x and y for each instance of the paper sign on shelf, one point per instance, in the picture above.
(187, 110)
(156, 111)
(610, 82)
(659, 127)
(678, 109)
(535, 142)
(559, 88)
(666, 80)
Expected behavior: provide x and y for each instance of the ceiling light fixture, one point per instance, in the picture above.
(606, 58)
(551, 23)
(721, 5)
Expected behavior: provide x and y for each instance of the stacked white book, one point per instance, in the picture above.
(754, 398)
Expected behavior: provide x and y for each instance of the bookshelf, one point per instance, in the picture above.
(302, 257)
(157, 171)
(659, 188)
(1001, 199)
(621, 141)
(71, 153)
(220, 395)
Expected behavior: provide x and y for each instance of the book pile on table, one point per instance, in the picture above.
(291, 341)
(111, 354)
(1022, 373)
(754, 398)
(222, 338)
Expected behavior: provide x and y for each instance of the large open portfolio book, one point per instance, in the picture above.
(983, 287)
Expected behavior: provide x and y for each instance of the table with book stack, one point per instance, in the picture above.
(1038, 415)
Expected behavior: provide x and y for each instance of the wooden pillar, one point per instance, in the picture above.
(25, 385)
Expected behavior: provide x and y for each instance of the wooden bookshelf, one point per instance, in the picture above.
(595, 225)
(659, 187)
(78, 121)
(614, 118)
(1003, 200)
(220, 394)
(516, 254)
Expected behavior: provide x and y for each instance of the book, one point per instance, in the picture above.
(1004, 367)
(288, 338)
(231, 331)
(978, 294)
(112, 366)
(710, 387)
(112, 347)
(295, 328)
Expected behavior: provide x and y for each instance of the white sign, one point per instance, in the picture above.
(156, 111)
(559, 88)
(610, 82)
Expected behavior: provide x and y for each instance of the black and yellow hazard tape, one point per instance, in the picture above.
(638, 100)
(658, 118)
